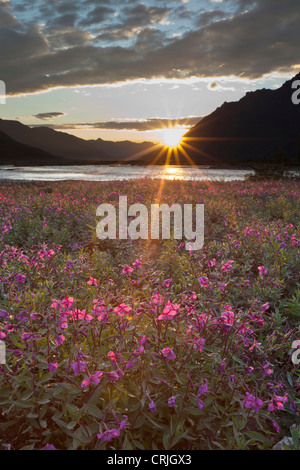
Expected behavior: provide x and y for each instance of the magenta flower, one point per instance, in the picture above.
(200, 343)
(278, 403)
(109, 435)
(137, 264)
(211, 263)
(227, 318)
(49, 447)
(127, 270)
(170, 311)
(200, 403)
(167, 282)
(59, 339)
(265, 307)
(152, 406)
(112, 376)
(169, 354)
(122, 309)
(129, 365)
(203, 281)
(157, 299)
(92, 281)
(52, 366)
(20, 278)
(251, 402)
(112, 356)
(78, 367)
(275, 426)
(227, 265)
(67, 302)
(222, 286)
(172, 401)
(262, 270)
(266, 370)
(3, 314)
(2, 335)
(26, 336)
(203, 388)
(93, 379)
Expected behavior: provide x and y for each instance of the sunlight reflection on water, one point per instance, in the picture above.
(117, 173)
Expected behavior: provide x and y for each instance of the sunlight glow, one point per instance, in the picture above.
(171, 136)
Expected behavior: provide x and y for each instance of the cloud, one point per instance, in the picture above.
(131, 125)
(97, 15)
(45, 116)
(250, 43)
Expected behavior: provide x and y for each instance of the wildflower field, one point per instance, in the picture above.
(122, 344)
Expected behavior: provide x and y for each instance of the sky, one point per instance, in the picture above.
(125, 69)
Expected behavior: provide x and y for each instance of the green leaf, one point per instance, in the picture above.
(256, 436)
(92, 410)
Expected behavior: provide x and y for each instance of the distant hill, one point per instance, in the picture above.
(124, 149)
(78, 150)
(56, 143)
(15, 153)
(256, 128)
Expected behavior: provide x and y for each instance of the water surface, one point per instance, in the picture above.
(118, 173)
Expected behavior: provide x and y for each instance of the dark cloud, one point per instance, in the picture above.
(207, 17)
(59, 38)
(7, 19)
(141, 15)
(45, 116)
(97, 15)
(249, 43)
(149, 38)
(134, 18)
(146, 125)
(66, 20)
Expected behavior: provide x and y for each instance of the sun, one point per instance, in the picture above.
(172, 136)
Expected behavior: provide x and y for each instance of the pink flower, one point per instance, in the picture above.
(137, 264)
(92, 281)
(170, 311)
(265, 307)
(266, 370)
(167, 282)
(20, 278)
(262, 270)
(122, 309)
(211, 263)
(127, 270)
(59, 339)
(278, 403)
(227, 265)
(157, 299)
(203, 281)
(93, 379)
(169, 354)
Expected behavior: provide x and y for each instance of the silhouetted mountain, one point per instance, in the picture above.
(256, 128)
(56, 143)
(68, 146)
(15, 153)
(124, 149)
